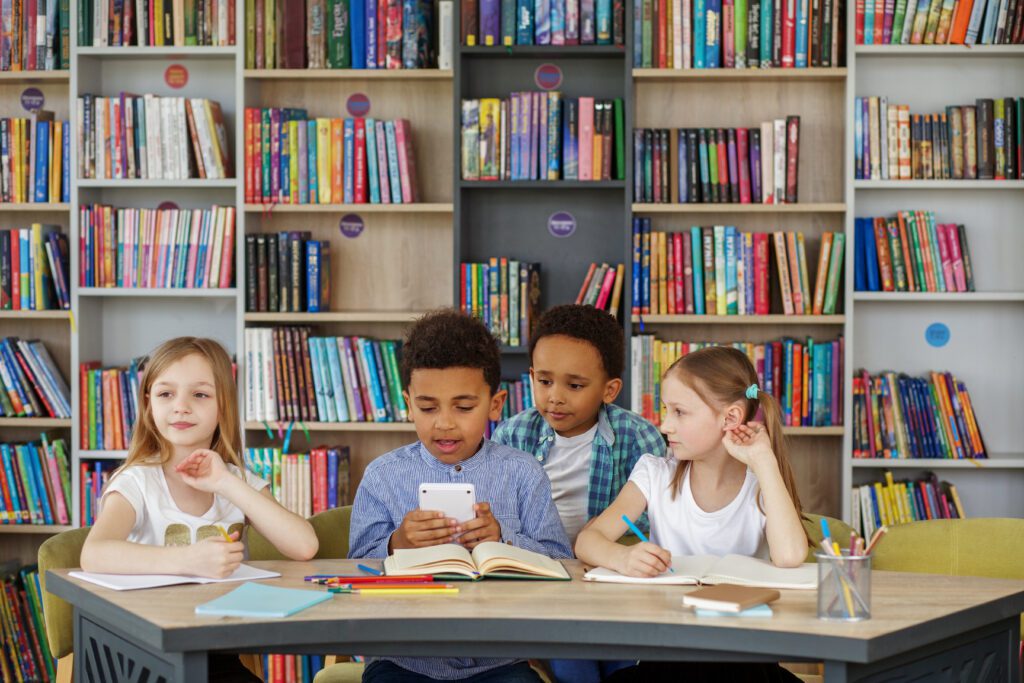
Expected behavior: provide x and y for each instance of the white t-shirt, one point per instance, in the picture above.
(568, 468)
(683, 528)
(159, 521)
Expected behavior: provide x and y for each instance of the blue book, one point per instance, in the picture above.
(558, 21)
(699, 33)
(542, 17)
(313, 276)
(337, 382)
(637, 255)
(604, 22)
(638, 27)
(766, 34)
(375, 350)
(698, 271)
(380, 414)
(65, 180)
(713, 42)
(332, 477)
(6, 454)
(524, 22)
(485, 294)
(41, 475)
(97, 382)
(769, 378)
(263, 601)
(860, 277)
(371, 161)
(204, 236)
(758, 611)
(349, 151)
(645, 264)
(371, 35)
(28, 479)
(801, 34)
(357, 31)
(988, 34)
(731, 293)
(324, 408)
(393, 168)
(871, 255)
(312, 196)
(42, 169)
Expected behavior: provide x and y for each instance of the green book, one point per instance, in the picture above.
(395, 379)
(899, 272)
(250, 34)
(933, 238)
(620, 140)
(740, 31)
(33, 505)
(338, 35)
(648, 15)
(835, 269)
(899, 14)
(64, 56)
(922, 282)
(269, 35)
(713, 165)
(91, 385)
(190, 22)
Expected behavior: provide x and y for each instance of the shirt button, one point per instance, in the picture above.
(458, 468)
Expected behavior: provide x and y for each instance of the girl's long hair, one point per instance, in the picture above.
(146, 441)
(720, 375)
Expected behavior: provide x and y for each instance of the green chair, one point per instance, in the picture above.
(62, 551)
(987, 547)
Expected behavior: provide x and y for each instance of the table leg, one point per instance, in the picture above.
(990, 654)
(103, 654)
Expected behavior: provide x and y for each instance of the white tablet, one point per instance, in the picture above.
(456, 501)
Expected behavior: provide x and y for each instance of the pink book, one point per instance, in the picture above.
(211, 234)
(535, 98)
(127, 230)
(161, 249)
(606, 289)
(744, 165)
(382, 163)
(687, 50)
(572, 22)
(227, 253)
(193, 247)
(58, 489)
(680, 280)
(869, 390)
(150, 251)
(406, 160)
(956, 256)
(761, 290)
(586, 142)
(946, 258)
(542, 137)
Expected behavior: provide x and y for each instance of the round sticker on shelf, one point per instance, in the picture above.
(561, 224)
(548, 76)
(168, 206)
(358, 104)
(32, 99)
(176, 76)
(351, 225)
(937, 335)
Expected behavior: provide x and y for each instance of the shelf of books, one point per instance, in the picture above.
(346, 227)
(737, 233)
(936, 299)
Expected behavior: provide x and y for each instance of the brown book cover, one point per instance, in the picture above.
(280, 374)
(927, 167)
(956, 142)
(220, 131)
(986, 143)
(291, 378)
(291, 25)
(673, 163)
(708, 242)
(315, 27)
(726, 597)
(884, 257)
(970, 142)
(792, 154)
(470, 23)
(307, 372)
(194, 137)
(261, 273)
(688, 272)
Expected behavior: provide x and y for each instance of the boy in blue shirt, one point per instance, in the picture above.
(587, 444)
(451, 369)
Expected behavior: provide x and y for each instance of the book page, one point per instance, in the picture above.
(687, 571)
(447, 558)
(750, 571)
(495, 557)
(123, 582)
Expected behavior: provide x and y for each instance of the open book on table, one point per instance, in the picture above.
(127, 582)
(709, 570)
(491, 559)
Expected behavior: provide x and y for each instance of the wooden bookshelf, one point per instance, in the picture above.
(415, 208)
(40, 207)
(705, 75)
(30, 529)
(34, 76)
(348, 74)
(345, 426)
(35, 315)
(41, 423)
(335, 317)
(819, 207)
(773, 319)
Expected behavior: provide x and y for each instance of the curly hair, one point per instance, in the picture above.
(448, 338)
(588, 324)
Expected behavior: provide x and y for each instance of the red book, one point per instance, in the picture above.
(227, 254)
(663, 31)
(860, 22)
(743, 162)
(798, 380)
(688, 272)
(788, 33)
(762, 303)
(406, 160)
(579, 297)
(359, 164)
(792, 155)
(470, 22)
(670, 273)
(677, 253)
(231, 24)
(606, 289)
(30, 34)
(382, 34)
(723, 165)
(250, 175)
(292, 36)
(15, 271)
(777, 370)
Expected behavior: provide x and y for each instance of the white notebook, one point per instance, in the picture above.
(128, 582)
(710, 570)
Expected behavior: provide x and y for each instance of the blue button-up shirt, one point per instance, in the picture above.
(514, 484)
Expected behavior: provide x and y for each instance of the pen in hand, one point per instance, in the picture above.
(639, 534)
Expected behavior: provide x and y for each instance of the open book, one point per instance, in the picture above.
(709, 570)
(127, 582)
(489, 559)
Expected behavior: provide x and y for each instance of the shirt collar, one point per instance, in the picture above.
(604, 429)
(467, 465)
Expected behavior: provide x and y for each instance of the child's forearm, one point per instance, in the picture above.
(125, 557)
(594, 549)
(286, 531)
(787, 542)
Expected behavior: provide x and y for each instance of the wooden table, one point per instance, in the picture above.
(920, 626)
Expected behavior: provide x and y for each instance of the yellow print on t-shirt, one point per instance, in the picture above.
(181, 534)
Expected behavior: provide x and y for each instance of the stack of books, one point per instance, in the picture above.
(505, 294)
(35, 482)
(31, 384)
(305, 483)
(34, 269)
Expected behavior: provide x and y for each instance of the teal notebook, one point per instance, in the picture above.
(758, 611)
(259, 600)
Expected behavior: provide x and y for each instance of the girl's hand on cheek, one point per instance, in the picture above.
(203, 470)
(748, 443)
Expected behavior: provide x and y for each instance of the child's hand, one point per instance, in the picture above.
(748, 443)
(423, 528)
(214, 557)
(645, 560)
(483, 528)
(203, 470)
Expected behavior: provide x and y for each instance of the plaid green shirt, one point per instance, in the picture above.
(622, 437)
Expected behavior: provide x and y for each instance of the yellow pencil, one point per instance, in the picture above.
(224, 533)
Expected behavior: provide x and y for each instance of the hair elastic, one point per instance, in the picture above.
(752, 391)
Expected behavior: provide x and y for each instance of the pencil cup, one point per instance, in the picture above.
(844, 587)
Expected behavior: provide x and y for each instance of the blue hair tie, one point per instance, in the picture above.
(752, 391)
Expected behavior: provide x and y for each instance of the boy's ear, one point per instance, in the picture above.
(408, 403)
(611, 390)
(497, 401)
(733, 415)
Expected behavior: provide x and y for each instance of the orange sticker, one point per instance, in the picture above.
(176, 76)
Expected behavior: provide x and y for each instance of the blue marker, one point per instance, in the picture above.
(639, 534)
(370, 570)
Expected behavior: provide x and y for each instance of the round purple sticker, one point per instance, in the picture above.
(358, 104)
(548, 76)
(32, 99)
(168, 206)
(351, 225)
(561, 224)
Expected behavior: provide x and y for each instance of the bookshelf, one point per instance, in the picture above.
(52, 327)
(887, 329)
